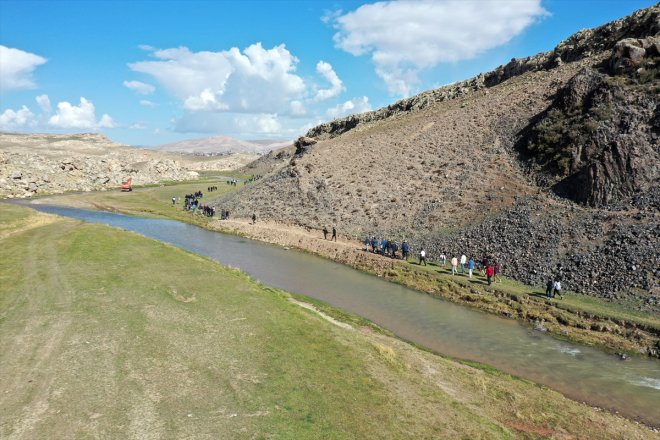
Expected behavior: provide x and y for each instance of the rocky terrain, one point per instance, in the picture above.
(37, 164)
(548, 164)
(32, 164)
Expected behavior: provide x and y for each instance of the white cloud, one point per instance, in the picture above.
(336, 85)
(80, 116)
(406, 36)
(137, 126)
(16, 67)
(353, 106)
(44, 103)
(147, 103)
(256, 80)
(139, 87)
(10, 119)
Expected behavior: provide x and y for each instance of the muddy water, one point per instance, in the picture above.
(583, 373)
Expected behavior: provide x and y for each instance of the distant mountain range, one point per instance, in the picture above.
(222, 145)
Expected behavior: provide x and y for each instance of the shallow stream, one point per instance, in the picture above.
(580, 372)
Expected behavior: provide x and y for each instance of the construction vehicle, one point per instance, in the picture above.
(128, 185)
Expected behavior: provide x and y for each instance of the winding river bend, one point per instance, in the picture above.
(583, 373)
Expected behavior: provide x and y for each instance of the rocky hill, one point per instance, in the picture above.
(548, 163)
(46, 163)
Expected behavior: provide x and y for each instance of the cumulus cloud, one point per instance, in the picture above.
(11, 119)
(403, 37)
(137, 126)
(336, 85)
(16, 67)
(139, 87)
(79, 116)
(44, 103)
(353, 106)
(256, 80)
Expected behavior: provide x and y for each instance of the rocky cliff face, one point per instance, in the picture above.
(597, 144)
(477, 167)
(32, 164)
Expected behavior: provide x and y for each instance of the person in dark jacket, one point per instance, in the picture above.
(549, 287)
(325, 233)
(334, 234)
(405, 249)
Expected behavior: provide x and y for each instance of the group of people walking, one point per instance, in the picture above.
(192, 203)
(387, 248)
(490, 268)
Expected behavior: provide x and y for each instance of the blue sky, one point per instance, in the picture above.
(153, 72)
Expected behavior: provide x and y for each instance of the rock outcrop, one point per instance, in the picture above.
(597, 143)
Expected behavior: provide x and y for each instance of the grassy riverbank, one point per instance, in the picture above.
(104, 333)
(583, 319)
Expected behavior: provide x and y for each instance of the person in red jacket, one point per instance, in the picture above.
(490, 272)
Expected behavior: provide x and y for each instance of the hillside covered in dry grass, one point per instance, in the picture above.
(549, 164)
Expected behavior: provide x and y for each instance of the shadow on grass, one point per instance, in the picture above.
(477, 281)
(538, 295)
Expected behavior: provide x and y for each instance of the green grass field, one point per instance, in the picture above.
(107, 334)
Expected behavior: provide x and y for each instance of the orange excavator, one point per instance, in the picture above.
(128, 185)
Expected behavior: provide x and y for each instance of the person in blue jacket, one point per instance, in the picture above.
(471, 265)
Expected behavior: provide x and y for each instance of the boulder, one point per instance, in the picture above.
(16, 175)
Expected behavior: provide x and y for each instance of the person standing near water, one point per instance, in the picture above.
(325, 233)
(254, 218)
(173, 200)
(471, 266)
(463, 261)
(422, 257)
(454, 263)
(490, 272)
(334, 234)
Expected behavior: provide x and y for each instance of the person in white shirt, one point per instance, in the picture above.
(463, 261)
(556, 289)
(422, 257)
(443, 257)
